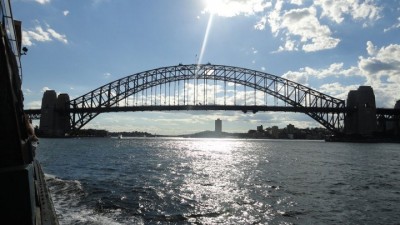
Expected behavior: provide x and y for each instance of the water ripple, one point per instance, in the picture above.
(211, 181)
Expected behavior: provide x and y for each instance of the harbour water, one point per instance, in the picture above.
(225, 181)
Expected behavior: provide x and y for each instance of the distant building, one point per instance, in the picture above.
(290, 129)
(218, 125)
(275, 132)
(397, 131)
(260, 128)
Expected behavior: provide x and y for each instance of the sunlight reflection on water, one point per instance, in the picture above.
(208, 181)
(213, 183)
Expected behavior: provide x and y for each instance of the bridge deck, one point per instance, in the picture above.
(243, 108)
(248, 108)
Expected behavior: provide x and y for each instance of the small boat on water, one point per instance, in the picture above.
(120, 136)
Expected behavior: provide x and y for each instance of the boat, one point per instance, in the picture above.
(120, 136)
(24, 195)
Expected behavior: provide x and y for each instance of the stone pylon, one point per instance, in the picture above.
(55, 119)
(363, 120)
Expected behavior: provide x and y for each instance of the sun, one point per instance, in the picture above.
(219, 7)
(223, 8)
(231, 8)
(211, 6)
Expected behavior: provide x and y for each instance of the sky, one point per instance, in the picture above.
(332, 46)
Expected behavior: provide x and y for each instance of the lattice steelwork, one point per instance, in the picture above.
(207, 85)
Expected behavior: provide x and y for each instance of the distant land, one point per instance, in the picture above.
(289, 132)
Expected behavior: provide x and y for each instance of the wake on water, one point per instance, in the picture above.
(68, 197)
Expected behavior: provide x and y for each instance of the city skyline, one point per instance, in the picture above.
(332, 47)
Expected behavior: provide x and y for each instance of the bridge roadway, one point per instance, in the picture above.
(244, 108)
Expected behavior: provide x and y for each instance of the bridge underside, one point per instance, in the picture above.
(244, 109)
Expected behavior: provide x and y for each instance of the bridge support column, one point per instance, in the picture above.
(54, 121)
(393, 126)
(363, 120)
(397, 120)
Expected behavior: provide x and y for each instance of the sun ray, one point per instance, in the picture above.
(204, 45)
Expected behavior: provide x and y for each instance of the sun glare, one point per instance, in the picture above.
(219, 7)
(215, 145)
(225, 8)
(203, 46)
(211, 6)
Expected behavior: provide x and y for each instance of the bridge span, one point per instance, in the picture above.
(210, 87)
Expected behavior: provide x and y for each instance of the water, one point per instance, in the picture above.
(210, 181)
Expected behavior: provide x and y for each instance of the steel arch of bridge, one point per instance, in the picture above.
(171, 79)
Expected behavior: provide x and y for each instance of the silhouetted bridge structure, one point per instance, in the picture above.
(206, 87)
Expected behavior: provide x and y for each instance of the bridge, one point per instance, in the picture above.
(209, 87)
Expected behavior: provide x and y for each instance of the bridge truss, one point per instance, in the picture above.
(208, 87)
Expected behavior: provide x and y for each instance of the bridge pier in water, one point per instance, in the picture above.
(397, 120)
(363, 120)
(55, 119)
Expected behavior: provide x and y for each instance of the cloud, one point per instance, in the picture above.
(98, 2)
(41, 34)
(297, 76)
(60, 37)
(38, 34)
(296, 2)
(260, 25)
(274, 17)
(65, 12)
(44, 89)
(230, 8)
(300, 28)
(107, 75)
(26, 39)
(34, 105)
(42, 1)
(337, 89)
(335, 70)
(380, 68)
(371, 49)
(335, 10)
(298, 23)
(303, 29)
(27, 92)
(393, 27)
(381, 62)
